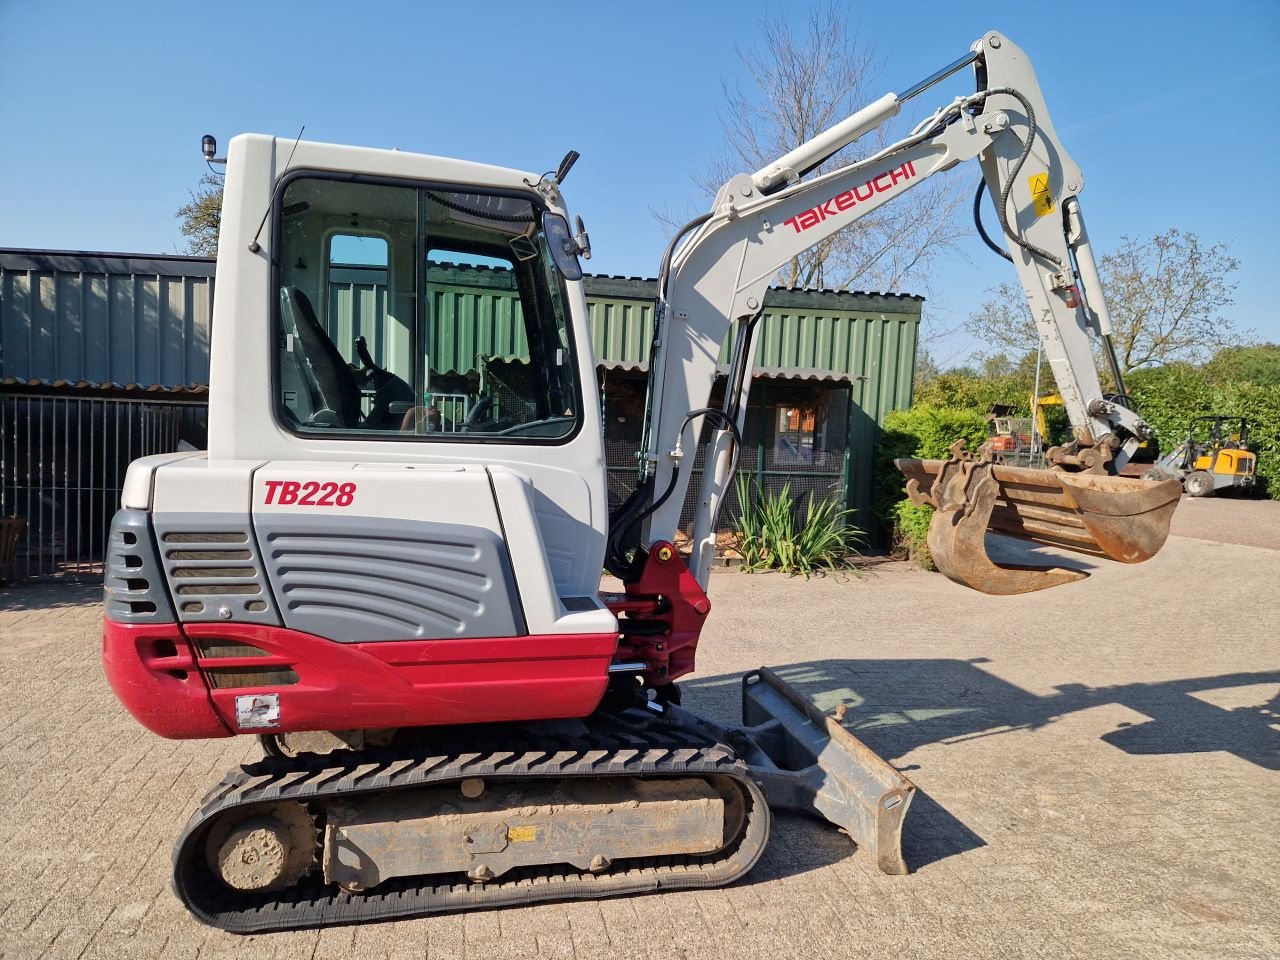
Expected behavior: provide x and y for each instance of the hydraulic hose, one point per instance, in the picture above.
(1002, 208)
(977, 222)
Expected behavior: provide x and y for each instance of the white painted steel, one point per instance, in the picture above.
(790, 167)
(517, 498)
(199, 486)
(136, 491)
(571, 504)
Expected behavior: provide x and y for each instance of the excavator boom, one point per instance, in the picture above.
(761, 221)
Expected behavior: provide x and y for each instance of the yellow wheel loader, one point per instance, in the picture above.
(1214, 457)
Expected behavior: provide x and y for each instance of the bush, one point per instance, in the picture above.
(924, 432)
(1170, 397)
(911, 532)
(960, 391)
(770, 538)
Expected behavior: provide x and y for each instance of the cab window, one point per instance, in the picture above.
(418, 313)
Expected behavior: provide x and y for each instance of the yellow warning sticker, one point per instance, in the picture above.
(522, 834)
(1041, 198)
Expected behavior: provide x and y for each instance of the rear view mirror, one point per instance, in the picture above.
(564, 249)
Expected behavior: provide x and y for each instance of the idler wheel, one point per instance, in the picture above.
(255, 855)
(268, 848)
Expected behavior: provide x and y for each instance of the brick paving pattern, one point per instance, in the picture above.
(1099, 771)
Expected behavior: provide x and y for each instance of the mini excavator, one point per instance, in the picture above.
(387, 563)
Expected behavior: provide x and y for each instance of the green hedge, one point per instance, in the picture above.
(1170, 397)
(925, 432)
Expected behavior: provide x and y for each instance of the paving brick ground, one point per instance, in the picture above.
(1099, 768)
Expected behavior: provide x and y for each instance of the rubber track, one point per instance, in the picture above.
(316, 780)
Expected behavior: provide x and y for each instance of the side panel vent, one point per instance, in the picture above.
(365, 579)
(214, 569)
(133, 588)
(232, 678)
(215, 649)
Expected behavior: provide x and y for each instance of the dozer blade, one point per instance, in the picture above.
(1119, 518)
(805, 760)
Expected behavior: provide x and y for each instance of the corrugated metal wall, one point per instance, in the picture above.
(820, 330)
(105, 318)
(145, 320)
(474, 311)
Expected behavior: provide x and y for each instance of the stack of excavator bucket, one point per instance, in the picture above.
(1117, 518)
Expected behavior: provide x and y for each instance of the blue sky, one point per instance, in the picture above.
(1167, 113)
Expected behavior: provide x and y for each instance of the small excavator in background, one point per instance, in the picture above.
(1008, 436)
(1215, 456)
(389, 570)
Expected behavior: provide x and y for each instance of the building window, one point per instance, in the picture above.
(796, 436)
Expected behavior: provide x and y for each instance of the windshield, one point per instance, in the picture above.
(420, 313)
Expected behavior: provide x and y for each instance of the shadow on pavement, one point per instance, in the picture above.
(896, 706)
(1007, 551)
(48, 595)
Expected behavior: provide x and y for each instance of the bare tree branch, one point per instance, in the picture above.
(1165, 294)
(795, 84)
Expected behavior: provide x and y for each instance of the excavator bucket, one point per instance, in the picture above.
(1119, 518)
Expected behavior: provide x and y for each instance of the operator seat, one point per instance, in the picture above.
(336, 381)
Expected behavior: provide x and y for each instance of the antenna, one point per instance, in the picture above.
(253, 244)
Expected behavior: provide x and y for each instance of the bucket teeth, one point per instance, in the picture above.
(1119, 518)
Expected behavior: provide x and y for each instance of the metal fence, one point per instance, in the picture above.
(62, 463)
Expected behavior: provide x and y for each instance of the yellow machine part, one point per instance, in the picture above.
(1235, 462)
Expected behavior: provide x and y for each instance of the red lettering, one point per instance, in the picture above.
(843, 201)
(310, 493)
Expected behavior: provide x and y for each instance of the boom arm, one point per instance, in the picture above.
(717, 280)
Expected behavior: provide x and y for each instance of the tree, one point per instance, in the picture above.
(926, 368)
(1259, 365)
(202, 216)
(799, 85)
(1165, 295)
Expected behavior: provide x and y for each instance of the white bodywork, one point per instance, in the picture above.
(720, 275)
(566, 481)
